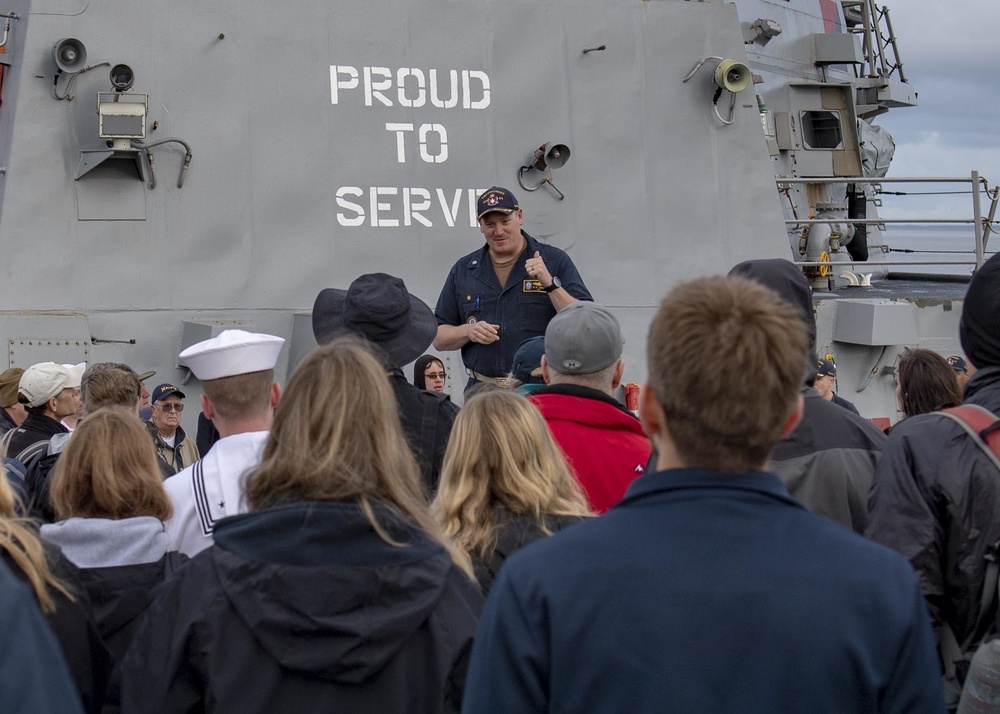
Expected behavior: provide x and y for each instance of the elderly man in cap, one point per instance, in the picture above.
(582, 365)
(46, 393)
(826, 377)
(174, 449)
(401, 327)
(936, 497)
(13, 412)
(503, 293)
(236, 369)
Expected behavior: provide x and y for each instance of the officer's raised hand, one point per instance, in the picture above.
(535, 267)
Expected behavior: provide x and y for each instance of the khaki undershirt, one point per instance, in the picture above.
(503, 270)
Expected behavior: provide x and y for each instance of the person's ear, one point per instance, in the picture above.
(793, 420)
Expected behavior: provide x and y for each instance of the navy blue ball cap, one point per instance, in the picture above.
(163, 391)
(496, 199)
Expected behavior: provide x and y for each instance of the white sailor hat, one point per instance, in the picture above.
(232, 352)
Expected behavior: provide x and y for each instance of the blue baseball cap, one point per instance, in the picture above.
(163, 391)
(528, 361)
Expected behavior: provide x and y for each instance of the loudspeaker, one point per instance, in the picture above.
(552, 155)
(69, 54)
(732, 75)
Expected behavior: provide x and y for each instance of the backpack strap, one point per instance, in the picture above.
(983, 427)
(5, 441)
(33, 451)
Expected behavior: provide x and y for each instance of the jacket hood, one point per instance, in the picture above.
(103, 542)
(785, 278)
(323, 594)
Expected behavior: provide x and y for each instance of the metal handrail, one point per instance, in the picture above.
(982, 226)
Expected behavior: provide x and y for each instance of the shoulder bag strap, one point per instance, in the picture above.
(977, 420)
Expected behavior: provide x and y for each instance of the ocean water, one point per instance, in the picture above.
(934, 242)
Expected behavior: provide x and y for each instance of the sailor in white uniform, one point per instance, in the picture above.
(236, 370)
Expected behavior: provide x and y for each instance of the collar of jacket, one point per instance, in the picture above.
(984, 379)
(42, 424)
(664, 482)
(179, 436)
(575, 390)
(481, 258)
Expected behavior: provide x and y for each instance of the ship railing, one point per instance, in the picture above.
(983, 226)
(865, 18)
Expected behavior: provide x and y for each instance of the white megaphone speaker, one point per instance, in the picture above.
(69, 55)
(552, 155)
(732, 75)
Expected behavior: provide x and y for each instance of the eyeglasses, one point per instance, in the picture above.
(435, 375)
(170, 407)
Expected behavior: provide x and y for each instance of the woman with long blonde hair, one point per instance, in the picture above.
(337, 591)
(504, 482)
(55, 583)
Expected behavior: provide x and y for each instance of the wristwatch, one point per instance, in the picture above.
(555, 285)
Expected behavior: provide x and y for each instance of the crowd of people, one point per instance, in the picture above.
(358, 542)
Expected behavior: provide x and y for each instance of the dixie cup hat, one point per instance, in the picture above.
(232, 352)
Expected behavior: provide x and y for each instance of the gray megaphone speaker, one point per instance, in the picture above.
(732, 75)
(552, 155)
(69, 54)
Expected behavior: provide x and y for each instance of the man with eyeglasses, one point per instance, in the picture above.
(503, 293)
(174, 450)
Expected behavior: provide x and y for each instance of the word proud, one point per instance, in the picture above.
(411, 87)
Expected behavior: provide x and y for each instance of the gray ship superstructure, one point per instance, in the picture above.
(173, 169)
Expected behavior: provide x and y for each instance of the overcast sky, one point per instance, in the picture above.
(951, 55)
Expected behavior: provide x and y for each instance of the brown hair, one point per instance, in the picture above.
(501, 454)
(241, 396)
(727, 418)
(19, 539)
(926, 382)
(337, 435)
(109, 384)
(109, 470)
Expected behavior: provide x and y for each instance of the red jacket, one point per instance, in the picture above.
(603, 442)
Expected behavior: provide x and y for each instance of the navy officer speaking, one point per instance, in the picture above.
(503, 293)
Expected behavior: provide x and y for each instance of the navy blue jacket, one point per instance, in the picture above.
(522, 308)
(705, 592)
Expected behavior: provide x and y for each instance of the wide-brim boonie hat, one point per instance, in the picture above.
(379, 308)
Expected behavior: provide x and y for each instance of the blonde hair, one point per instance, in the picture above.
(109, 470)
(241, 396)
(756, 341)
(20, 540)
(337, 435)
(501, 454)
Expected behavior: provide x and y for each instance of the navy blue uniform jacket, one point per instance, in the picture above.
(522, 308)
(705, 592)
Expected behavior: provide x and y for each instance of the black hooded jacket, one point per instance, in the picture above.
(936, 499)
(828, 462)
(306, 608)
